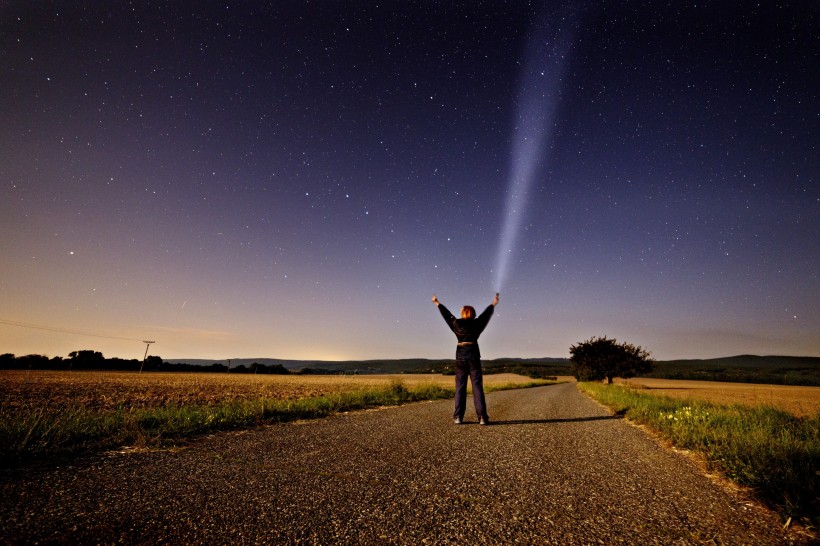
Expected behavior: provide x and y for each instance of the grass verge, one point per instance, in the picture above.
(35, 432)
(769, 450)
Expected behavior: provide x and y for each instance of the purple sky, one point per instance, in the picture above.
(297, 180)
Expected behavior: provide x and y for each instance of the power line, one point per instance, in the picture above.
(63, 330)
(75, 332)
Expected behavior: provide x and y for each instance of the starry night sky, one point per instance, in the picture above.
(296, 180)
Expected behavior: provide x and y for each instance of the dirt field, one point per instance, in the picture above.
(109, 390)
(800, 401)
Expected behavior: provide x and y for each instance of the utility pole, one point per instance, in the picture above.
(147, 344)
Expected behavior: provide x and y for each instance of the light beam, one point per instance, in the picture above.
(539, 91)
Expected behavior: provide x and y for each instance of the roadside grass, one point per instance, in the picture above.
(36, 431)
(769, 450)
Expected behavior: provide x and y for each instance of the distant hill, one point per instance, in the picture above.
(327, 366)
(386, 366)
(773, 370)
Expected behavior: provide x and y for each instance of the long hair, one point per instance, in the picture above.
(467, 312)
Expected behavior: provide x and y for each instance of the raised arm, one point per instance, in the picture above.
(484, 318)
(445, 314)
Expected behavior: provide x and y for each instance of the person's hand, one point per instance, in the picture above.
(495, 299)
(435, 299)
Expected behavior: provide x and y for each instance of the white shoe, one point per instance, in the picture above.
(457, 420)
(482, 421)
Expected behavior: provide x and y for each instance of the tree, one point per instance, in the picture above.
(153, 362)
(33, 362)
(600, 358)
(278, 369)
(7, 361)
(85, 360)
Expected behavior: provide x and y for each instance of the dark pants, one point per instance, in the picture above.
(471, 367)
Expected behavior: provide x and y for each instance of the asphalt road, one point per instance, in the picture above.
(553, 468)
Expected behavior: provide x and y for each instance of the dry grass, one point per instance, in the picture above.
(46, 413)
(799, 401)
(106, 391)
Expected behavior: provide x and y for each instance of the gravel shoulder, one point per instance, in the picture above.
(553, 468)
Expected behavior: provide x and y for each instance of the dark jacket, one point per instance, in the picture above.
(467, 331)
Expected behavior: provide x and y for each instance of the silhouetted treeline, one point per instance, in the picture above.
(530, 369)
(345, 371)
(94, 360)
(784, 370)
(534, 368)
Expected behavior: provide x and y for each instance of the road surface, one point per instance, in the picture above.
(553, 468)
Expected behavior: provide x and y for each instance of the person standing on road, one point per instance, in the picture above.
(468, 357)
